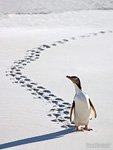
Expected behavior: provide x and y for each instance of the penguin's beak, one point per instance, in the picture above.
(68, 77)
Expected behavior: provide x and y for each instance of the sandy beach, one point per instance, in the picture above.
(36, 97)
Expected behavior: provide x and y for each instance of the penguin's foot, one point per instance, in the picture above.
(87, 129)
(79, 129)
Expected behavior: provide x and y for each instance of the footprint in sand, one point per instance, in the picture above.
(61, 120)
(56, 115)
(41, 49)
(73, 38)
(65, 40)
(54, 44)
(103, 32)
(55, 102)
(54, 120)
(66, 112)
(60, 42)
(58, 99)
(46, 46)
(95, 34)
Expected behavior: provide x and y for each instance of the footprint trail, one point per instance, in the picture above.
(59, 112)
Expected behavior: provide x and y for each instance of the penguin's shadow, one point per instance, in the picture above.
(37, 139)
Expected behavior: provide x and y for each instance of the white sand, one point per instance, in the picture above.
(24, 123)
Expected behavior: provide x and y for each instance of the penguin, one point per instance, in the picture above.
(82, 106)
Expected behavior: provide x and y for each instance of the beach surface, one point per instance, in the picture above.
(36, 54)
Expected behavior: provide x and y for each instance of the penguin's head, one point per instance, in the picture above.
(75, 80)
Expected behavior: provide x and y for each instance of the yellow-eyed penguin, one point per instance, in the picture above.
(81, 105)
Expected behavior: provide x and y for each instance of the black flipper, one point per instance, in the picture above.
(93, 108)
(73, 105)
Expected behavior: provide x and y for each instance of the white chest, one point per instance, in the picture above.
(82, 108)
